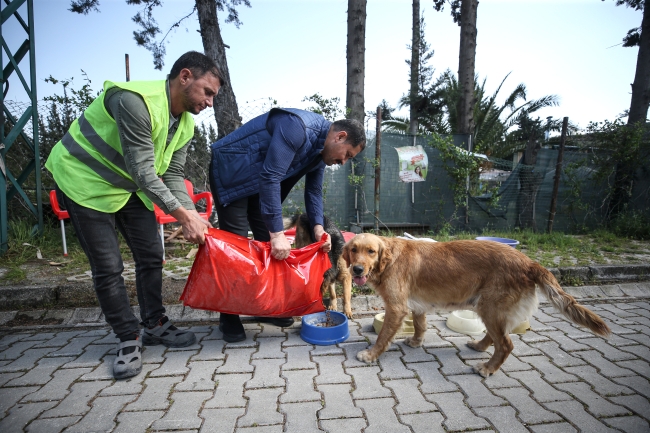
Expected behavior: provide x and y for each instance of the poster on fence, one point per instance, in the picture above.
(413, 163)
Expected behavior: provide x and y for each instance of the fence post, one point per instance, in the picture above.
(558, 173)
(377, 168)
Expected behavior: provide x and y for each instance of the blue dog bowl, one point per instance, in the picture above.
(511, 242)
(312, 333)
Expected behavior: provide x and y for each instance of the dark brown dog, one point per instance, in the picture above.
(495, 280)
(339, 270)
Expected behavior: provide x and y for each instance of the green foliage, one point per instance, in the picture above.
(632, 224)
(328, 108)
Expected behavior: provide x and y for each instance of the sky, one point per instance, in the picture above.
(289, 49)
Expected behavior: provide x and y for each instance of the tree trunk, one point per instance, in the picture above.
(529, 183)
(356, 51)
(466, 66)
(624, 174)
(415, 68)
(226, 112)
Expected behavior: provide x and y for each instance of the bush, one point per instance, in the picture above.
(632, 224)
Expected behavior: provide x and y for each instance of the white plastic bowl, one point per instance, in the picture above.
(465, 322)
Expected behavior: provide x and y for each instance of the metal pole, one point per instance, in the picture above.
(377, 168)
(126, 64)
(558, 173)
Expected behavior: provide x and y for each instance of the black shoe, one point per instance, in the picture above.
(282, 322)
(231, 328)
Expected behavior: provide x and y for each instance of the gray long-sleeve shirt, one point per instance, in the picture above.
(134, 126)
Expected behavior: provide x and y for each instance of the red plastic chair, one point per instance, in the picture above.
(61, 215)
(162, 218)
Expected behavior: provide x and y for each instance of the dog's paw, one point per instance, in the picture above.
(348, 313)
(482, 369)
(333, 304)
(476, 345)
(413, 342)
(365, 356)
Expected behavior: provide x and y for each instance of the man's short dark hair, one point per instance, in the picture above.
(354, 129)
(198, 63)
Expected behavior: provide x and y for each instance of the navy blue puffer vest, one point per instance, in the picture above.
(237, 158)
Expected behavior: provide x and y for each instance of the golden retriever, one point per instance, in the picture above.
(494, 280)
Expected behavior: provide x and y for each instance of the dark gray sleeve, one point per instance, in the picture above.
(134, 127)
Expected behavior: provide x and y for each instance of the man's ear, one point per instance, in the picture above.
(385, 256)
(341, 136)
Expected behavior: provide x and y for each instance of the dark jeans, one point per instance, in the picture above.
(98, 238)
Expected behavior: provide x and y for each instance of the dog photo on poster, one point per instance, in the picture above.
(413, 163)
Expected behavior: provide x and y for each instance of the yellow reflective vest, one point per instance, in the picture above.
(88, 163)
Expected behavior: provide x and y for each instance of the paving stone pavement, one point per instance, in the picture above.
(559, 378)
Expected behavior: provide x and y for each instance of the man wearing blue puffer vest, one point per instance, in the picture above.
(254, 168)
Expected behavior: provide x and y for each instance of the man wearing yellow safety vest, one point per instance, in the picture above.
(108, 167)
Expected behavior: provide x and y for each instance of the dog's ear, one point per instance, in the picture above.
(385, 255)
(346, 254)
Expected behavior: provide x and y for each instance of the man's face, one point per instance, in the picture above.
(336, 150)
(198, 93)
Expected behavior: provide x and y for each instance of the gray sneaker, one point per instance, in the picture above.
(168, 335)
(130, 364)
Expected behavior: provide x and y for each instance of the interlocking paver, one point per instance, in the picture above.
(270, 347)
(500, 380)
(392, 366)
(513, 363)
(503, 419)
(175, 364)
(560, 427)
(347, 425)
(432, 380)
(102, 415)
(331, 369)
(200, 376)
(211, 350)
(133, 385)
(300, 386)
(61, 339)
(22, 414)
(58, 387)
(131, 422)
(237, 361)
(607, 368)
(75, 347)
(6, 377)
(636, 403)
(640, 338)
(430, 422)
(457, 416)
(550, 372)
(326, 350)
(557, 355)
(298, 358)
(153, 354)
(628, 424)
(599, 383)
(542, 391)
(262, 408)
(302, 417)
(529, 411)
(91, 357)
(229, 393)
(639, 350)
(522, 348)
(52, 425)
(10, 396)
(351, 350)
(267, 374)
(609, 352)
(367, 383)
(269, 330)
(596, 404)
(478, 395)
(76, 402)
(338, 402)
(467, 353)
(293, 339)
(102, 372)
(155, 395)
(639, 384)
(409, 397)
(414, 354)
(27, 360)
(184, 412)
(381, 416)
(639, 366)
(220, 420)
(41, 374)
(530, 337)
(16, 350)
(576, 414)
(451, 363)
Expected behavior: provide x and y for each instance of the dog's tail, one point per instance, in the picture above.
(291, 221)
(566, 304)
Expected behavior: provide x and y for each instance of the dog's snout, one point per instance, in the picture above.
(358, 270)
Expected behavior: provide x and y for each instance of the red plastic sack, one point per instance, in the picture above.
(236, 275)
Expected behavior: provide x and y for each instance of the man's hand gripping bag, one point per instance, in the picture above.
(236, 275)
